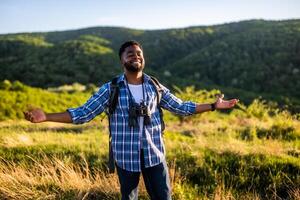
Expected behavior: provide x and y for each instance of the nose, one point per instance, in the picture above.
(135, 56)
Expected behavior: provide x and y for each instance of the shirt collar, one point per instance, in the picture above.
(122, 78)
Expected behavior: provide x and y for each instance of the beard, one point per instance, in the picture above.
(132, 67)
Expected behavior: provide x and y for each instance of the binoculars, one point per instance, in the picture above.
(139, 110)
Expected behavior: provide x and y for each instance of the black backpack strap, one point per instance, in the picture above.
(113, 96)
(113, 100)
(159, 91)
(158, 87)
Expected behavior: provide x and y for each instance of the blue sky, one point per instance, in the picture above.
(50, 15)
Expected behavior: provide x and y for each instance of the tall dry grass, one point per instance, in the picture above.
(52, 178)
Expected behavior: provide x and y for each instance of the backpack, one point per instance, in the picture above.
(112, 104)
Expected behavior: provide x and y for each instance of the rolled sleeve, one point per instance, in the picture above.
(95, 105)
(176, 105)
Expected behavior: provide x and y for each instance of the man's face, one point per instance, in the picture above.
(133, 59)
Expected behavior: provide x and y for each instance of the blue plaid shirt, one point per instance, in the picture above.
(127, 141)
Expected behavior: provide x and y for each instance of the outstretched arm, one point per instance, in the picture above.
(220, 104)
(176, 105)
(95, 105)
(38, 115)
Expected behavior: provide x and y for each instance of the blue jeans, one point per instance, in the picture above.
(156, 180)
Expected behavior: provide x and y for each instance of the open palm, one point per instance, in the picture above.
(225, 104)
(35, 116)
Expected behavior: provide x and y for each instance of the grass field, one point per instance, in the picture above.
(252, 152)
(224, 157)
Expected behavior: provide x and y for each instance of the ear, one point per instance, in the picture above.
(122, 58)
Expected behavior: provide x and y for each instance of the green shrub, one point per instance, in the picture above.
(278, 132)
(248, 134)
(5, 85)
(260, 173)
(18, 86)
(259, 109)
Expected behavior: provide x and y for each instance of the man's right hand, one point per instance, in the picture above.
(35, 115)
(38, 115)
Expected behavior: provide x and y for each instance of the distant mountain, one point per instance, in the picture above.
(257, 55)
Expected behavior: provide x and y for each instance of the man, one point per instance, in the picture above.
(136, 141)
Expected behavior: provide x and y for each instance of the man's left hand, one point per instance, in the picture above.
(225, 104)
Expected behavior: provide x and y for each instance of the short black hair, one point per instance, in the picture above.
(127, 44)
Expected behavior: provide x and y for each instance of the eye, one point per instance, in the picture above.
(130, 54)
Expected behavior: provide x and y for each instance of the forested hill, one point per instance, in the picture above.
(257, 55)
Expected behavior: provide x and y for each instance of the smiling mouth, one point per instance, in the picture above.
(136, 62)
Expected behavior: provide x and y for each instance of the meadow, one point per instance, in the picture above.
(251, 152)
